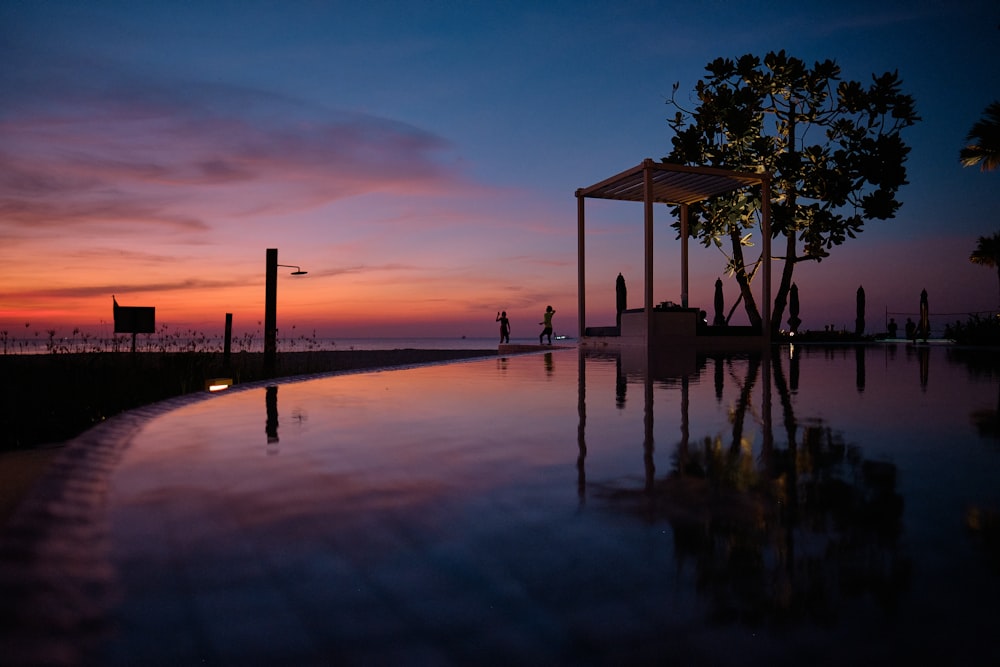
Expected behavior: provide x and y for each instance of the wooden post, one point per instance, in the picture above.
(581, 282)
(227, 347)
(270, 312)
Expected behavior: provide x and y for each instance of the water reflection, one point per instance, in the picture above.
(985, 367)
(924, 356)
(271, 425)
(747, 510)
(581, 429)
(782, 533)
(859, 365)
(982, 520)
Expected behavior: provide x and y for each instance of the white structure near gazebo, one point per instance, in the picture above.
(674, 185)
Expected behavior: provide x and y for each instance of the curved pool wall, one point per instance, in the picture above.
(820, 506)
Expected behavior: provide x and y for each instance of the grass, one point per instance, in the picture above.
(52, 397)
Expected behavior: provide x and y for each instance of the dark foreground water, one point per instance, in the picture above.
(822, 507)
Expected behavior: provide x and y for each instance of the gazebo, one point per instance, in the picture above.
(675, 185)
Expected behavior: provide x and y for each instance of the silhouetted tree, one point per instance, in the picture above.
(833, 147)
(987, 253)
(984, 138)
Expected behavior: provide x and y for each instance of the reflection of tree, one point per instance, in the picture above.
(987, 422)
(786, 535)
(983, 523)
(984, 365)
(984, 527)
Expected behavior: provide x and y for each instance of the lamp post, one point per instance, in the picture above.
(271, 308)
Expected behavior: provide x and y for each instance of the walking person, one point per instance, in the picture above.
(547, 323)
(504, 327)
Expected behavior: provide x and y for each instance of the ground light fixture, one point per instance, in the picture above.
(218, 384)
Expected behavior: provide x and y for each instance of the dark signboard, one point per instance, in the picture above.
(135, 319)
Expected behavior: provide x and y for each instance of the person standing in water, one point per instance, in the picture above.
(547, 323)
(504, 327)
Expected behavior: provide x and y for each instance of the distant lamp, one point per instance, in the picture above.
(218, 384)
(271, 308)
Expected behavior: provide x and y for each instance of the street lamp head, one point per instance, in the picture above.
(297, 272)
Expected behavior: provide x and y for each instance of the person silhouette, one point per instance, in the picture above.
(893, 328)
(504, 327)
(547, 323)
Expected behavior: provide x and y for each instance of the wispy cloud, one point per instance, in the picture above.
(166, 154)
(83, 291)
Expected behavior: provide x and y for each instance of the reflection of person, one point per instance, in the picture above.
(504, 327)
(547, 323)
(892, 327)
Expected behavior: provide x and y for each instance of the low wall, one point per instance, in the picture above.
(674, 328)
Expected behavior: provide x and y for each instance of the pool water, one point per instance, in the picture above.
(820, 506)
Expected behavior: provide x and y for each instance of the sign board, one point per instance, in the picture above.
(135, 319)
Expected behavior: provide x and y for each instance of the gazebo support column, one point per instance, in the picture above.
(647, 198)
(684, 255)
(581, 278)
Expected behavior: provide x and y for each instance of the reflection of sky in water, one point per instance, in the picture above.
(493, 510)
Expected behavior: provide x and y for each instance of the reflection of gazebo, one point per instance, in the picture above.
(675, 185)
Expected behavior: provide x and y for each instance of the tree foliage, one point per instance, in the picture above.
(984, 141)
(833, 148)
(987, 252)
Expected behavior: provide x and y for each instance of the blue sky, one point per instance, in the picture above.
(420, 158)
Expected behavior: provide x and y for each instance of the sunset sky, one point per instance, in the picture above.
(419, 159)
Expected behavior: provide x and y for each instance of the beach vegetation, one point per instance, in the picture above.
(987, 253)
(977, 330)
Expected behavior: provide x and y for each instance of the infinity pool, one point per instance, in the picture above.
(824, 506)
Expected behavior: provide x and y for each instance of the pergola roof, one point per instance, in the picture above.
(671, 183)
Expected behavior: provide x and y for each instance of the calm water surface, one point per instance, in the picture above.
(827, 505)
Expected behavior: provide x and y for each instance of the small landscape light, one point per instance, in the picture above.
(218, 384)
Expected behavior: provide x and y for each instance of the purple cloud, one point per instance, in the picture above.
(170, 154)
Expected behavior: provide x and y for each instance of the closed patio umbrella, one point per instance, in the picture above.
(720, 305)
(859, 322)
(621, 300)
(793, 309)
(925, 323)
